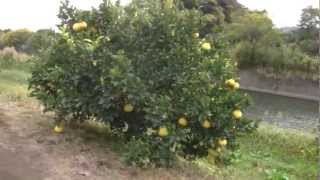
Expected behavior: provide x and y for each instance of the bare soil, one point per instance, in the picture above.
(29, 150)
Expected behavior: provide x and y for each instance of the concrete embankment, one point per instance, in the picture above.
(291, 87)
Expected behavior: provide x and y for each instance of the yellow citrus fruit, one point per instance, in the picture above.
(76, 27)
(163, 132)
(236, 86)
(80, 26)
(84, 25)
(128, 108)
(230, 82)
(237, 114)
(58, 129)
(206, 124)
(183, 121)
(196, 35)
(222, 142)
(206, 46)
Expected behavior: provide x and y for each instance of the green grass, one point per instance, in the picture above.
(270, 153)
(14, 82)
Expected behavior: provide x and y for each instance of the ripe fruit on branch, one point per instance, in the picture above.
(183, 121)
(237, 114)
(80, 26)
(232, 84)
(128, 108)
(222, 142)
(206, 124)
(206, 46)
(163, 132)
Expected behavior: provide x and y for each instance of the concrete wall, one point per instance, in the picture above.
(296, 87)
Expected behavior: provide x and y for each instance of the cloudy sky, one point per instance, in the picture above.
(37, 14)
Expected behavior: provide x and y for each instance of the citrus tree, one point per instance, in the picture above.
(144, 71)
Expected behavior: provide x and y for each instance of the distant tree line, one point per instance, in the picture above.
(256, 42)
(24, 40)
(306, 35)
(253, 39)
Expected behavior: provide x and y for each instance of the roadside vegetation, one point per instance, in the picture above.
(269, 153)
(14, 73)
(128, 112)
(256, 43)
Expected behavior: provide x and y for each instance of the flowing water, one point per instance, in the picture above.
(284, 111)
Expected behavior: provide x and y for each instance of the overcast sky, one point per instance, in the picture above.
(282, 12)
(37, 14)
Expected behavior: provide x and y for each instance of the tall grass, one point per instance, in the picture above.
(14, 73)
(279, 60)
(11, 59)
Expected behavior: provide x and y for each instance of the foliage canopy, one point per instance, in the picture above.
(141, 69)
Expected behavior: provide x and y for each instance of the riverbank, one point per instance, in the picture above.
(294, 86)
(285, 112)
(286, 101)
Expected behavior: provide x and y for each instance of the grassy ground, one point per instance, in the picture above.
(270, 153)
(13, 84)
(14, 74)
(274, 153)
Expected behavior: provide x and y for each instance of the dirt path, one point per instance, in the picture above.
(16, 167)
(29, 150)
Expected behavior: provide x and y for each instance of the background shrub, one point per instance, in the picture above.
(16, 38)
(10, 58)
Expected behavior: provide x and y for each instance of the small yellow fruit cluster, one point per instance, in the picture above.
(232, 84)
(80, 26)
(128, 108)
(183, 122)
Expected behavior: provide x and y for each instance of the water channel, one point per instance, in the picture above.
(285, 112)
